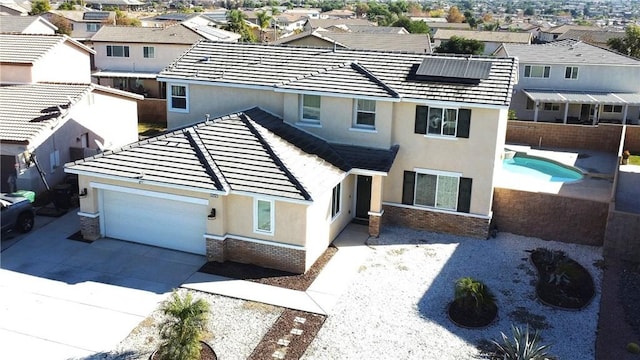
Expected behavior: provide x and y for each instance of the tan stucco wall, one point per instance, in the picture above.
(65, 63)
(337, 121)
(219, 101)
(164, 55)
(16, 74)
(474, 157)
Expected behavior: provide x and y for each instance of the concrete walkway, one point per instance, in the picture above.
(628, 191)
(322, 294)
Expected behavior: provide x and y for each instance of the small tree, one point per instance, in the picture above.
(455, 16)
(183, 327)
(39, 7)
(66, 6)
(629, 44)
(63, 25)
(460, 45)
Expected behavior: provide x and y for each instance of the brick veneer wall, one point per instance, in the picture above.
(246, 252)
(550, 217)
(436, 221)
(632, 139)
(604, 137)
(90, 227)
(374, 225)
(622, 237)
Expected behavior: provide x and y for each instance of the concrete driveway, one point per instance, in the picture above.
(62, 298)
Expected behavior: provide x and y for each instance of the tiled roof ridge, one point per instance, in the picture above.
(276, 159)
(204, 156)
(361, 69)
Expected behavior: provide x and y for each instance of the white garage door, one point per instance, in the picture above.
(171, 224)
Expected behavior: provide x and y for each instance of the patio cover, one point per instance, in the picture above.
(583, 97)
(124, 74)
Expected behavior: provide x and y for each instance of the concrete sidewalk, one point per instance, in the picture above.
(322, 294)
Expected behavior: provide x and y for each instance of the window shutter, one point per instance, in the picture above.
(408, 187)
(464, 195)
(464, 123)
(421, 119)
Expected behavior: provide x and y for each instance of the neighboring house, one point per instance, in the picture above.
(338, 14)
(290, 22)
(597, 37)
(26, 58)
(315, 24)
(84, 24)
(418, 43)
(553, 33)
(491, 39)
(573, 82)
(10, 8)
(56, 123)
(124, 5)
(50, 108)
(385, 137)
(435, 25)
(371, 29)
(26, 25)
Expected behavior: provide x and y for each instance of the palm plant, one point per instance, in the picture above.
(264, 20)
(473, 294)
(183, 327)
(522, 346)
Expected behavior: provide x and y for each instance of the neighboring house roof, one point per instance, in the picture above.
(376, 74)
(485, 36)
(447, 25)
(14, 49)
(567, 52)
(561, 29)
(338, 13)
(418, 43)
(247, 152)
(21, 24)
(326, 23)
(12, 7)
(373, 29)
(599, 37)
(80, 16)
(174, 34)
(115, 2)
(213, 33)
(29, 110)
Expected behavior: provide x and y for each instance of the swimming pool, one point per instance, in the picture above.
(541, 168)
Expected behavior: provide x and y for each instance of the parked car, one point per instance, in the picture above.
(17, 213)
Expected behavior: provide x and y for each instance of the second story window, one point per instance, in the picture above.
(148, 52)
(92, 27)
(311, 108)
(536, 71)
(571, 72)
(365, 113)
(117, 51)
(439, 121)
(179, 94)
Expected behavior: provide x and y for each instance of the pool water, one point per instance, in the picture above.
(541, 169)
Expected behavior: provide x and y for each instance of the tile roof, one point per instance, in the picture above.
(567, 52)
(489, 36)
(343, 71)
(325, 23)
(28, 110)
(175, 34)
(418, 43)
(14, 49)
(358, 28)
(18, 24)
(591, 36)
(251, 151)
(84, 16)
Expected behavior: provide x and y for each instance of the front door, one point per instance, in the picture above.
(363, 197)
(585, 113)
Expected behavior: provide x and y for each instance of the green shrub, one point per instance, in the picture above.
(633, 348)
(183, 327)
(521, 346)
(473, 294)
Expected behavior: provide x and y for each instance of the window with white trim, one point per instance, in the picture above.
(551, 107)
(437, 189)
(178, 100)
(92, 27)
(335, 200)
(571, 72)
(148, 52)
(530, 104)
(263, 216)
(612, 108)
(311, 108)
(365, 113)
(117, 51)
(536, 71)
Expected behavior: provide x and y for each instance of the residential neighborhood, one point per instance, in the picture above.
(319, 180)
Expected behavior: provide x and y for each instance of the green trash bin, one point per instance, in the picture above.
(26, 194)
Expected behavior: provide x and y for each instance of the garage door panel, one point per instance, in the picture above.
(155, 221)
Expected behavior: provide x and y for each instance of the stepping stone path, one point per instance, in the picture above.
(289, 336)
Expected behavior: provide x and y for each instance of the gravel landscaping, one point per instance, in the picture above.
(396, 306)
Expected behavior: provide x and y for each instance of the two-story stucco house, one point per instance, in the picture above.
(316, 138)
(491, 39)
(570, 81)
(84, 24)
(50, 111)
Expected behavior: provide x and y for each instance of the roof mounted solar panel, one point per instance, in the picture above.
(456, 70)
(95, 15)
